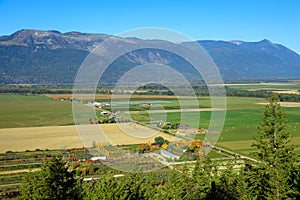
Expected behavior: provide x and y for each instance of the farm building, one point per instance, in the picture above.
(97, 104)
(98, 158)
(105, 104)
(100, 105)
(168, 154)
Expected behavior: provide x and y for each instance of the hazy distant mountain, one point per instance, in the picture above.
(50, 57)
(253, 60)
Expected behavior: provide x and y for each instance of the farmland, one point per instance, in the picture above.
(66, 137)
(31, 111)
(52, 118)
(288, 86)
(241, 125)
(106, 96)
(242, 118)
(31, 138)
(31, 123)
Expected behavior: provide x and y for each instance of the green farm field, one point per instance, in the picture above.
(242, 119)
(30, 111)
(242, 116)
(239, 124)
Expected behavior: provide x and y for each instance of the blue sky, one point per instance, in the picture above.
(248, 20)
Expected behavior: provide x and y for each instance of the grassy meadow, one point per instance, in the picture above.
(30, 111)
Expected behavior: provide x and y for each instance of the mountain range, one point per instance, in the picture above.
(51, 57)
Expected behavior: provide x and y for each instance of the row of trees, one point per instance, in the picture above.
(200, 90)
(275, 176)
(47, 89)
(262, 94)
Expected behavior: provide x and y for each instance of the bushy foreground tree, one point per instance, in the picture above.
(53, 181)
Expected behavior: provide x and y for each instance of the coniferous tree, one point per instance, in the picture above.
(54, 181)
(172, 189)
(271, 177)
(108, 188)
(204, 178)
(231, 185)
(147, 186)
(179, 186)
(130, 187)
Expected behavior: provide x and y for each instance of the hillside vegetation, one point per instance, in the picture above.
(51, 57)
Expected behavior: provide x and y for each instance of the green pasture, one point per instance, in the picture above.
(29, 111)
(242, 119)
(135, 104)
(243, 115)
(239, 124)
(189, 102)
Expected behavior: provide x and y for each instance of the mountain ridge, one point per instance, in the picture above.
(52, 57)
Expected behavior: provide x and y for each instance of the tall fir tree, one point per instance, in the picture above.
(271, 177)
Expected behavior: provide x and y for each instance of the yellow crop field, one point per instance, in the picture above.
(31, 138)
(66, 137)
(131, 133)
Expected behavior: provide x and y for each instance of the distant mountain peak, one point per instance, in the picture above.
(236, 42)
(53, 39)
(265, 41)
(33, 32)
(52, 57)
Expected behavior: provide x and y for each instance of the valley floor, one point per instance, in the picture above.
(66, 137)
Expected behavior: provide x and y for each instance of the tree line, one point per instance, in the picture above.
(149, 89)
